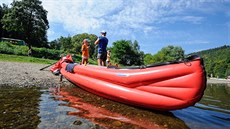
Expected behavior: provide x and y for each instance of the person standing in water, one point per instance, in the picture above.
(102, 43)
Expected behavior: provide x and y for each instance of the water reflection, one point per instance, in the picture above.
(217, 96)
(110, 114)
(53, 113)
(212, 112)
(72, 107)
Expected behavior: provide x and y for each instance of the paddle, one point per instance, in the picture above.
(47, 66)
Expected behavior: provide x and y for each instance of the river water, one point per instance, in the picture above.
(69, 107)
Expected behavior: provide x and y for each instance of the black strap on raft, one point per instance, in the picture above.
(184, 60)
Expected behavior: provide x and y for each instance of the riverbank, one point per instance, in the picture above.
(218, 80)
(28, 75)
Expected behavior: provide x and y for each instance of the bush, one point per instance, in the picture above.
(20, 50)
(45, 53)
(8, 48)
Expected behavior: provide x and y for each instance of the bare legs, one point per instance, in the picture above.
(84, 61)
(101, 63)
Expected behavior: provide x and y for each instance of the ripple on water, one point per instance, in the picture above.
(72, 107)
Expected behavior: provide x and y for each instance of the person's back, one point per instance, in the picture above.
(102, 43)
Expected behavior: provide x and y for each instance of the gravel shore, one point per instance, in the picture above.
(216, 80)
(26, 75)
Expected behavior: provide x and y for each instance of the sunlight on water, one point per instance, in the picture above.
(72, 107)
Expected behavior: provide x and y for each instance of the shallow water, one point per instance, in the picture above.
(72, 107)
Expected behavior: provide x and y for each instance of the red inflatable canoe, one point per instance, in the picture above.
(165, 86)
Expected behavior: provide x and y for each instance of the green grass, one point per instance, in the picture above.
(16, 58)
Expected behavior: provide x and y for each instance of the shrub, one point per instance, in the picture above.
(8, 48)
(46, 53)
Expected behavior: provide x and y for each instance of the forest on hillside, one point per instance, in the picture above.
(217, 61)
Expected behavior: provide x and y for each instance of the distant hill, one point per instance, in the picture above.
(217, 61)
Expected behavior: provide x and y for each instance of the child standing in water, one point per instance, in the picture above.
(85, 51)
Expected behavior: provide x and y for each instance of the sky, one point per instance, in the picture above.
(194, 25)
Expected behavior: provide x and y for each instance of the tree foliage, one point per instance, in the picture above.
(168, 53)
(3, 10)
(217, 61)
(127, 53)
(148, 58)
(73, 44)
(28, 19)
(77, 43)
(65, 43)
(55, 44)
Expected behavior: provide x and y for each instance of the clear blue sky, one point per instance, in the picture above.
(192, 24)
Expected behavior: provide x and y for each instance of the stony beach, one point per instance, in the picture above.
(216, 81)
(29, 74)
(26, 75)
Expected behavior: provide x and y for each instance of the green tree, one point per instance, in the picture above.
(65, 44)
(76, 42)
(139, 55)
(148, 59)
(3, 10)
(55, 45)
(168, 53)
(127, 53)
(217, 61)
(29, 18)
(227, 73)
(220, 68)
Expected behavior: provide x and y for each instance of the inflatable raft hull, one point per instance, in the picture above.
(161, 87)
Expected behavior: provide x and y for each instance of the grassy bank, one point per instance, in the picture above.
(16, 58)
